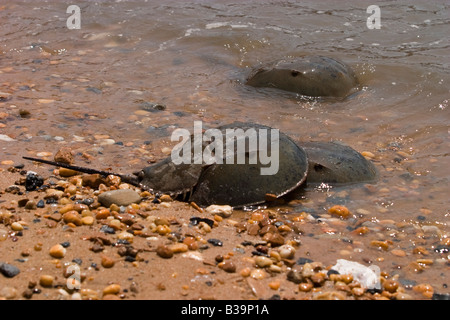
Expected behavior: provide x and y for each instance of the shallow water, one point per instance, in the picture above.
(83, 87)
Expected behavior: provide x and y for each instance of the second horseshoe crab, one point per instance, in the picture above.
(313, 76)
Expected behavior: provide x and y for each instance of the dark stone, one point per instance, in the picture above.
(295, 276)
(331, 271)
(9, 270)
(442, 248)
(78, 261)
(40, 204)
(215, 242)
(302, 261)
(440, 296)
(107, 229)
(33, 181)
(65, 244)
(196, 220)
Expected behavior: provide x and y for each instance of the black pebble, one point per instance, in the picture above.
(8, 270)
(215, 242)
(196, 220)
(302, 261)
(33, 181)
(65, 244)
(107, 229)
(78, 261)
(40, 204)
(440, 296)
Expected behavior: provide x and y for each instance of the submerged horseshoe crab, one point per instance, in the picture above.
(241, 183)
(314, 76)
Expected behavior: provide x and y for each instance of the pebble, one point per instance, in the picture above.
(72, 217)
(178, 248)
(340, 211)
(258, 274)
(276, 240)
(57, 251)
(107, 262)
(46, 281)
(121, 197)
(8, 293)
(16, 226)
(111, 289)
(64, 155)
(164, 252)
(9, 270)
(224, 211)
(88, 220)
(227, 266)
(286, 251)
(263, 262)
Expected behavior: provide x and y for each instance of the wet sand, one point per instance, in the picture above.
(90, 90)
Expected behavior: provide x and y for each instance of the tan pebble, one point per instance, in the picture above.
(164, 252)
(224, 211)
(162, 221)
(111, 289)
(426, 289)
(390, 285)
(275, 268)
(165, 198)
(45, 101)
(305, 286)
(425, 261)
(245, 272)
(368, 154)
(275, 240)
(204, 227)
(420, 250)
(46, 280)
(57, 251)
(115, 224)
(346, 278)
(163, 229)
(107, 262)
(258, 274)
(31, 205)
(88, 294)
(88, 220)
(263, 262)
(274, 285)
(64, 172)
(71, 190)
(318, 278)
(358, 291)
(340, 211)
(8, 293)
(72, 217)
(380, 244)
(178, 248)
(398, 252)
(227, 266)
(16, 226)
(102, 214)
(66, 208)
(126, 236)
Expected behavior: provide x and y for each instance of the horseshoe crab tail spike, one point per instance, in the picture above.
(125, 178)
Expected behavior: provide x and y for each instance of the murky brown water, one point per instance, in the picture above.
(83, 87)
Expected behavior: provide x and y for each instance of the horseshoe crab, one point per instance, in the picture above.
(314, 76)
(228, 181)
(335, 163)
